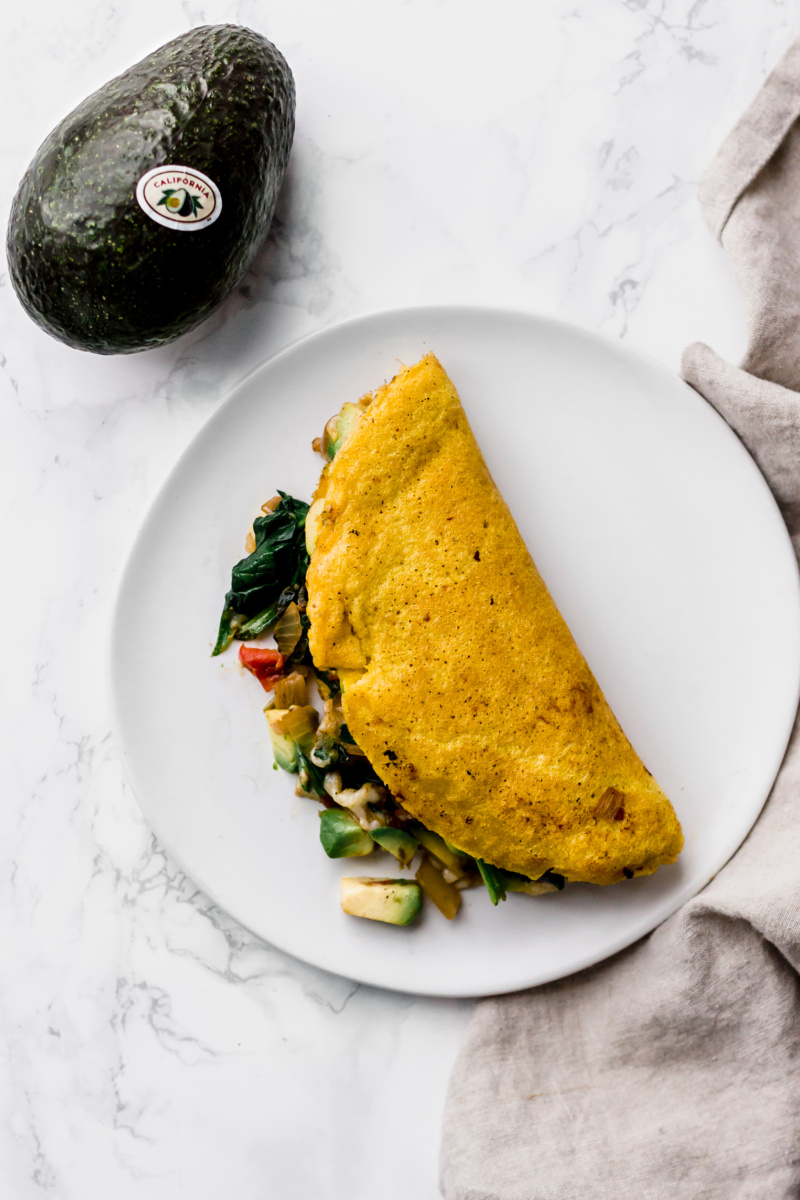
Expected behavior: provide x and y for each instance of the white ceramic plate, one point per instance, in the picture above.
(656, 535)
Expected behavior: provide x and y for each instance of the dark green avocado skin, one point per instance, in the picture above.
(87, 263)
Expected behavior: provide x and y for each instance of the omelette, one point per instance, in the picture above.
(460, 680)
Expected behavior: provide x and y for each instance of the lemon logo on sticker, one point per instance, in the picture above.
(179, 198)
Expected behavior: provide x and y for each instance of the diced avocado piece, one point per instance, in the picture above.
(284, 748)
(284, 751)
(291, 732)
(549, 882)
(531, 887)
(298, 723)
(439, 848)
(455, 850)
(314, 523)
(395, 901)
(444, 895)
(342, 836)
(398, 842)
(338, 428)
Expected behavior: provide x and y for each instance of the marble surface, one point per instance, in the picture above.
(544, 156)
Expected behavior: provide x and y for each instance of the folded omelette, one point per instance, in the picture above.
(461, 681)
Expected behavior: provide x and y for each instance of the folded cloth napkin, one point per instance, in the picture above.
(673, 1070)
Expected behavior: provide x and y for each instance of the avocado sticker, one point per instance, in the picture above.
(179, 198)
(186, 205)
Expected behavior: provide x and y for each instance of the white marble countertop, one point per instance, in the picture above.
(543, 156)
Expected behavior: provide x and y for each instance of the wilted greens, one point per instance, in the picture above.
(268, 589)
(264, 584)
(493, 879)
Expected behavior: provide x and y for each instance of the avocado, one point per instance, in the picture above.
(284, 748)
(395, 901)
(549, 882)
(399, 843)
(342, 836)
(297, 724)
(161, 183)
(531, 887)
(313, 526)
(339, 426)
(291, 732)
(438, 847)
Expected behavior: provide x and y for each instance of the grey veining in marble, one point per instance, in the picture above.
(536, 155)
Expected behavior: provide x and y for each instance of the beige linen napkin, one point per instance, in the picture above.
(673, 1070)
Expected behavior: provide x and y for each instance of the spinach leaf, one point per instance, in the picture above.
(311, 778)
(328, 681)
(493, 879)
(265, 583)
(501, 881)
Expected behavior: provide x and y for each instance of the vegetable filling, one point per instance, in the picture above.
(359, 815)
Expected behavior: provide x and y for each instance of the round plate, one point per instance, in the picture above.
(656, 535)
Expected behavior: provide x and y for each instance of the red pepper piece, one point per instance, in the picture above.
(266, 665)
